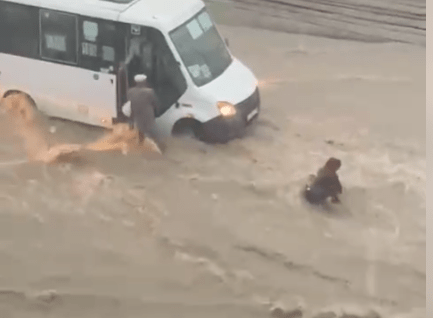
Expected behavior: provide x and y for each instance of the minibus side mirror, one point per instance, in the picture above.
(227, 41)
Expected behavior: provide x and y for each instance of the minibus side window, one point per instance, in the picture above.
(19, 30)
(58, 36)
(102, 44)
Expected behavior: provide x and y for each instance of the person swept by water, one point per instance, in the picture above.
(325, 184)
(141, 108)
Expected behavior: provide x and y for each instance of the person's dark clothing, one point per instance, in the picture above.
(326, 184)
(144, 105)
(316, 194)
(151, 134)
(140, 137)
(135, 66)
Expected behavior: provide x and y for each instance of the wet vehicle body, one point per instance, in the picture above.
(77, 62)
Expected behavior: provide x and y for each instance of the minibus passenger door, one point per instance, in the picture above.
(122, 89)
(149, 53)
(139, 55)
(168, 81)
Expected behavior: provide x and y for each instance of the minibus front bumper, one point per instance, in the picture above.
(223, 129)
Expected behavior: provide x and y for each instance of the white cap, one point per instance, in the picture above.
(140, 78)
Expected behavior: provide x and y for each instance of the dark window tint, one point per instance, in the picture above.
(19, 26)
(58, 36)
(102, 44)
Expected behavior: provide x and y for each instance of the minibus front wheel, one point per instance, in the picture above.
(221, 130)
(188, 127)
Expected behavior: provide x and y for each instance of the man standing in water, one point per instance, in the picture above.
(141, 109)
(326, 184)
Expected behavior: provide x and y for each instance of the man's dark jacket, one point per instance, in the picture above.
(144, 105)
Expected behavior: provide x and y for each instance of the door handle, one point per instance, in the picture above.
(96, 76)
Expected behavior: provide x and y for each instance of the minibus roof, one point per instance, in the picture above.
(166, 13)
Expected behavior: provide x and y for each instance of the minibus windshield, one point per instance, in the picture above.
(201, 48)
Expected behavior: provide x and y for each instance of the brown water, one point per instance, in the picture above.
(211, 231)
(40, 146)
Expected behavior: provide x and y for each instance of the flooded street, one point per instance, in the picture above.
(221, 230)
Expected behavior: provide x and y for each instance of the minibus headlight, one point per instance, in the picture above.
(226, 109)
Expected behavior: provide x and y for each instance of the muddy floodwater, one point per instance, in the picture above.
(221, 230)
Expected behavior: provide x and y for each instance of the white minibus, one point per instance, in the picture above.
(76, 59)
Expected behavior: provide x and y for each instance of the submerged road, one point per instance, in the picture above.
(221, 231)
(368, 20)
